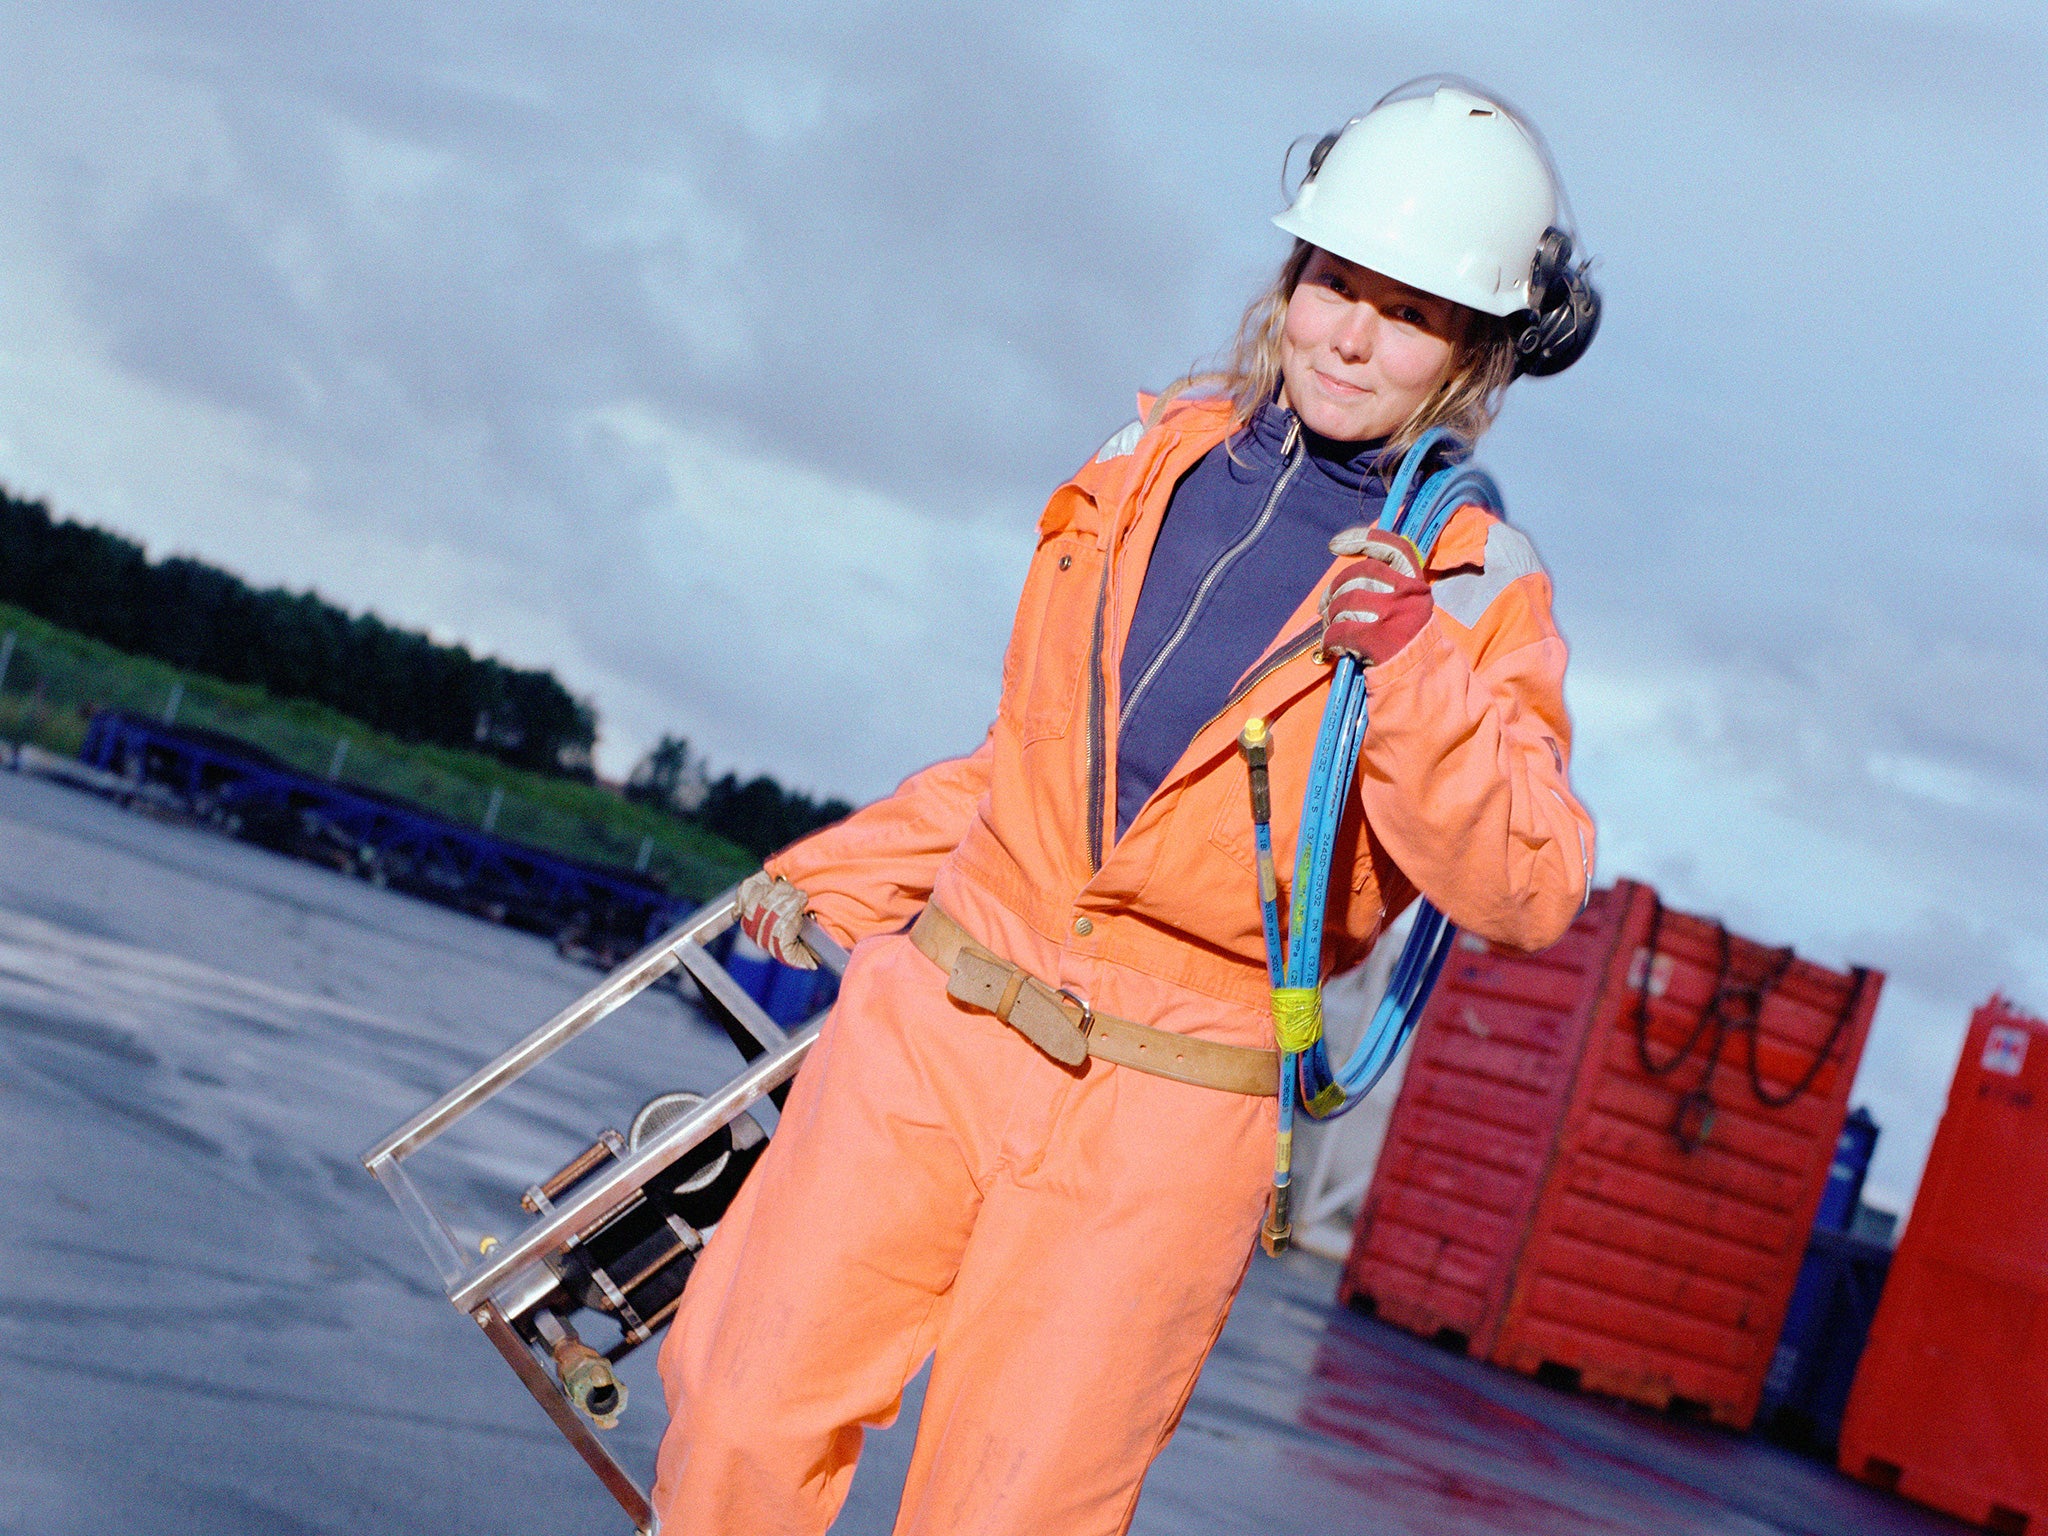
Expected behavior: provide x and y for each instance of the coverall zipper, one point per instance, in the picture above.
(1289, 649)
(1215, 573)
(1291, 462)
(1095, 703)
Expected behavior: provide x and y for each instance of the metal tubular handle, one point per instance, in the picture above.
(513, 1277)
(630, 979)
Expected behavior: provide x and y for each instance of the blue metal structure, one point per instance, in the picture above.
(1827, 1321)
(1826, 1326)
(386, 839)
(1845, 1176)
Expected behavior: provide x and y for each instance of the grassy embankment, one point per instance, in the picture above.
(57, 677)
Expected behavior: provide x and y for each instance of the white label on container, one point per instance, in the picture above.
(2005, 1049)
(1660, 972)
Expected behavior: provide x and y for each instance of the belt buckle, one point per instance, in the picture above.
(1087, 1020)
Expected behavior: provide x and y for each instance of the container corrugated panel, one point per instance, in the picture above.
(1577, 1214)
(1671, 1230)
(1472, 1135)
(1948, 1402)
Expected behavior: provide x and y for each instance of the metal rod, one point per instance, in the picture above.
(825, 947)
(633, 1338)
(731, 996)
(661, 1261)
(609, 1144)
(618, 1482)
(635, 976)
(610, 1188)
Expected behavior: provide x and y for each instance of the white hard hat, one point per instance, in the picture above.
(1446, 192)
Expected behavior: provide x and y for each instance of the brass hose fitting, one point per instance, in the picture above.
(586, 1376)
(1278, 1231)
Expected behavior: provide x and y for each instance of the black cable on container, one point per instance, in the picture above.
(1707, 1014)
(1861, 977)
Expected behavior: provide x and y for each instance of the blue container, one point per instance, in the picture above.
(794, 995)
(1845, 1178)
(1826, 1326)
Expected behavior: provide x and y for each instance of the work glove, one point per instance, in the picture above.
(772, 915)
(1376, 605)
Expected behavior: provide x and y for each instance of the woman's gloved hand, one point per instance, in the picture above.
(1376, 605)
(772, 915)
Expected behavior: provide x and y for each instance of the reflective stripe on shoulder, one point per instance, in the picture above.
(1509, 557)
(1121, 444)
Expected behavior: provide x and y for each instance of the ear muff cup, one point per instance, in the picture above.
(1556, 333)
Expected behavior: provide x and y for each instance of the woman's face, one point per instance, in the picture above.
(1360, 351)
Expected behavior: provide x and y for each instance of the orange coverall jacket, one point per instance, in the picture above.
(1463, 789)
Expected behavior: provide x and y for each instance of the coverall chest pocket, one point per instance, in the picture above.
(1054, 636)
(1231, 829)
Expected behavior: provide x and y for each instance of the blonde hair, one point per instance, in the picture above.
(1482, 363)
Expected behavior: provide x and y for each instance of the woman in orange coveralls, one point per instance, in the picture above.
(1035, 1137)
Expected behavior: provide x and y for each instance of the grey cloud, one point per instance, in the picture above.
(424, 256)
(1945, 955)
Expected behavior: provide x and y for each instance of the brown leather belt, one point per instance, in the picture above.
(1068, 1030)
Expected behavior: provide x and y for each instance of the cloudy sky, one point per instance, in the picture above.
(719, 358)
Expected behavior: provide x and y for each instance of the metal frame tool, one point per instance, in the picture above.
(503, 1290)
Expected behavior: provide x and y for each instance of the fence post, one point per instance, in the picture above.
(340, 757)
(171, 704)
(491, 810)
(646, 853)
(6, 655)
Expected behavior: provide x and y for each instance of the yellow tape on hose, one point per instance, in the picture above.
(1327, 1102)
(1297, 1017)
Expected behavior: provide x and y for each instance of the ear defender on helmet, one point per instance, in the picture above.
(1561, 323)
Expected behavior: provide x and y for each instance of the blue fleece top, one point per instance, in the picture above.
(1233, 560)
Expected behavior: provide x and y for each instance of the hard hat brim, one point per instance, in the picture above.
(1404, 266)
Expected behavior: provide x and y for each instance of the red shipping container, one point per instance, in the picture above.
(1950, 1405)
(1606, 1157)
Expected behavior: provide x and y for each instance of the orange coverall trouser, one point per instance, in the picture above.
(1068, 1243)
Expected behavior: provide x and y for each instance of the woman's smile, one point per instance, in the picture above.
(1341, 388)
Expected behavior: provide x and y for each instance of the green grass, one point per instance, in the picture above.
(57, 677)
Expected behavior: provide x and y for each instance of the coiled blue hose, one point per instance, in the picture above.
(1420, 515)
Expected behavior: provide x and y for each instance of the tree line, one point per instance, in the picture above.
(758, 814)
(297, 645)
